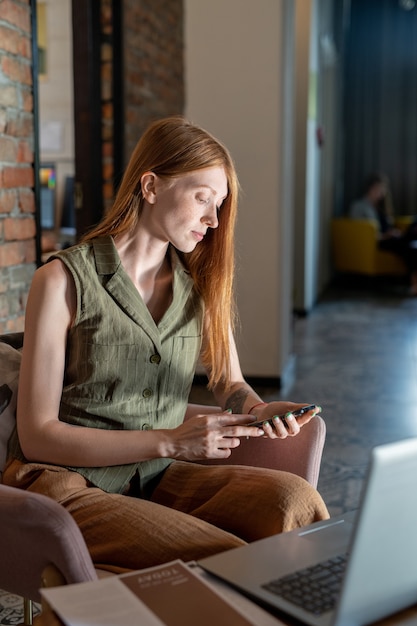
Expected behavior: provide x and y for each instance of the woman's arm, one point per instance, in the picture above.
(43, 437)
(242, 399)
(50, 311)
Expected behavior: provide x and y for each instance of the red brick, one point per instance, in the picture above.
(3, 119)
(25, 153)
(107, 149)
(11, 254)
(27, 98)
(30, 251)
(106, 71)
(8, 96)
(25, 47)
(106, 52)
(19, 228)
(107, 171)
(16, 70)
(107, 131)
(10, 40)
(107, 111)
(15, 325)
(20, 125)
(17, 253)
(4, 286)
(8, 150)
(17, 177)
(108, 191)
(26, 201)
(4, 306)
(7, 201)
(16, 14)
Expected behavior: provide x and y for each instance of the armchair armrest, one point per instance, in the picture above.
(299, 455)
(13, 339)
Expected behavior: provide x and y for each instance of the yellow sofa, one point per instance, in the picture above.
(355, 248)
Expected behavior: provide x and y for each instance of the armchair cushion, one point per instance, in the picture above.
(9, 377)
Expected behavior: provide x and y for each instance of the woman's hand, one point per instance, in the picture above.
(274, 427)
(208, 436)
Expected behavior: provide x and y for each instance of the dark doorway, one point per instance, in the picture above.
(98, 107)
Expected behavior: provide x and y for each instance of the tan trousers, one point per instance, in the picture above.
(194, 511)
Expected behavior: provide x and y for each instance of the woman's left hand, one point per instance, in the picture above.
(279, 420)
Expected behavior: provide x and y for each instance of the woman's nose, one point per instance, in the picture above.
(210, 218)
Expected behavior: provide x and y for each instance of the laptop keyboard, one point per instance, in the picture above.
(315, 589)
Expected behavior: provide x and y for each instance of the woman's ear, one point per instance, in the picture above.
(147, 182)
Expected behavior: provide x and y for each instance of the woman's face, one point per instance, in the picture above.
(181, 210)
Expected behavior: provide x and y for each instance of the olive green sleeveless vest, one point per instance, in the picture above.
(123, 371)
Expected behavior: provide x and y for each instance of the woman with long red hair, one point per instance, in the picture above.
(115, 326)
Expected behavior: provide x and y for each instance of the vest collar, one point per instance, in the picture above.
(125, 293)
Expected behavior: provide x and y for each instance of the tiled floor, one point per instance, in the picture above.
(356, 356)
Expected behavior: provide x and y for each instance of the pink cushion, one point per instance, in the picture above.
(299, 455)
(34, 532)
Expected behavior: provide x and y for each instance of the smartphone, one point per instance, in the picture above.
(296, 413)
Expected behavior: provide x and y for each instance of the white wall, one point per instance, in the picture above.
(238, 86)
(314, 164)
(307, 157)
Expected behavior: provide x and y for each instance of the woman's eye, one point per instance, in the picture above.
(203, 199)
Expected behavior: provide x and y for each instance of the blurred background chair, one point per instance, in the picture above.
(355, 249)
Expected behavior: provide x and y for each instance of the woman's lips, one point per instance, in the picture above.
(198, 236)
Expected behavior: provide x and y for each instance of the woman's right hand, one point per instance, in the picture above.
(211, 436)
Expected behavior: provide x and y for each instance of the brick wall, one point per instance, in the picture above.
(153, 87)
(107, 108)
(153, 64)
(17, 222)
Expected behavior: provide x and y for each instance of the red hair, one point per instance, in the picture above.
(170, 148)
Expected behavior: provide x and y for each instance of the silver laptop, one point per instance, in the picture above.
(373, 552)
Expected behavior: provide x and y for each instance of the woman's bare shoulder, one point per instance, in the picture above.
(53, 290)
(53, 274)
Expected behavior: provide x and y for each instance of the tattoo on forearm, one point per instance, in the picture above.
(236, 400)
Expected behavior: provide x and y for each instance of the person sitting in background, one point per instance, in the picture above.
(375, 203)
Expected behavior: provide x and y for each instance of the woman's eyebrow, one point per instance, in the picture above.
(213, 191)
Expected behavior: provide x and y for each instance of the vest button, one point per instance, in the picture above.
(155, 358)
(147, 393)
(146, 427)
